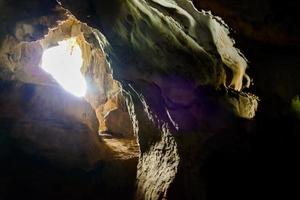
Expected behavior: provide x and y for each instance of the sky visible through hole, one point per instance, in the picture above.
(63, 62)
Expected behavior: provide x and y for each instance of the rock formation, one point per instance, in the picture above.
(174, 103)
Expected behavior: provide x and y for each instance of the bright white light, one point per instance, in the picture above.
(63, 62)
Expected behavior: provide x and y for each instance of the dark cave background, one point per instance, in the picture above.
(264, 161)
(261, 161)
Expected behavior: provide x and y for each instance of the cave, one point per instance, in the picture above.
(148, 99)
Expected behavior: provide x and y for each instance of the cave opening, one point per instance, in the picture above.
(64, 62)
(69, 101)
(74, 56)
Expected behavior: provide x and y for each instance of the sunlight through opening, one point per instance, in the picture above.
(63, 62)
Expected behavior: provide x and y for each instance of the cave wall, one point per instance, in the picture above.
(198, 36)
(172, 93)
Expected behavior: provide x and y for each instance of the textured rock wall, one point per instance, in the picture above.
(175, 138)
(159, 157)
(170, 58)
(166, 30)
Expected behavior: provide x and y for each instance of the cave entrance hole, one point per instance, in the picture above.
(73, 54)
(64, 62)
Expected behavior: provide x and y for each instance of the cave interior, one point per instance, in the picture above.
(149, 99)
